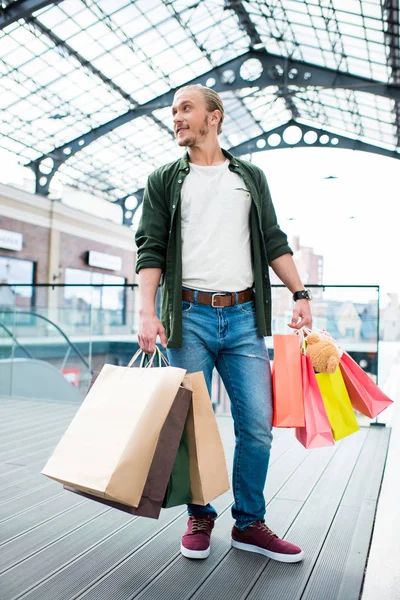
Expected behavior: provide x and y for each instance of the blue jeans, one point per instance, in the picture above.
(227, 339)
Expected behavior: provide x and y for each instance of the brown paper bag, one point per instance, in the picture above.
(108, 449)
(208, 472)
(158, 477)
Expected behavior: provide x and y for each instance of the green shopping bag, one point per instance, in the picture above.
(178, 489)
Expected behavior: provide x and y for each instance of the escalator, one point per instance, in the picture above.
(38, 360)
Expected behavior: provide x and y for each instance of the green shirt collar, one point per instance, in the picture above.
(185, 164)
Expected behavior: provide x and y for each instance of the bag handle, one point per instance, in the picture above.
(305, 331)
(301, 334)
(150, 361)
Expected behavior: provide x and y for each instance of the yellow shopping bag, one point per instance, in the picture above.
(337, 404)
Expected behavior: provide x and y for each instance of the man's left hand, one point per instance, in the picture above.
(301, 315)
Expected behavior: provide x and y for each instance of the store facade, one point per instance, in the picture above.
(46, 242)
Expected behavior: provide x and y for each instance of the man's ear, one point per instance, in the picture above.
(215, 117)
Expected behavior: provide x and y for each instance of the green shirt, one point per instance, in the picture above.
(159, 242)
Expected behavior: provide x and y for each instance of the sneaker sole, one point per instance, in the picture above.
(286, 558)
(199, 554)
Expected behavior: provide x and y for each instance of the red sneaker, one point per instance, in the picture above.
(259, 538)
(196, 540)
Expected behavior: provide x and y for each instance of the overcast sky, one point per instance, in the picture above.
(353, 220)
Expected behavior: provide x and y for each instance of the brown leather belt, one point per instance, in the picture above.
(219, 299)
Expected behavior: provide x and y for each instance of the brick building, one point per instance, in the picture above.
(44, 241)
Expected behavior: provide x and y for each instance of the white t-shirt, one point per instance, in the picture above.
(216, 247)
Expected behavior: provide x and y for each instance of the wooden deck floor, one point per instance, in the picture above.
(56, 546)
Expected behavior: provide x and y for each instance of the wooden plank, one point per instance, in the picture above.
(29, 452)
(39, 429)
(142, 549)
(339, 570)
(37, 516)
(282, 581)
(382, 579)
(47, 491)
(162, 556)
(225, 572)
(25, 546)
(27, 574)
(237, 572)
(314, 499)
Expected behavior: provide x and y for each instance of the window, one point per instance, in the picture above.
(15, 270)
(350, 332)
(94, 303)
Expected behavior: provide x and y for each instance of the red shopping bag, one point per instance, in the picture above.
(365, 395)
(287, 383)
(317, 431)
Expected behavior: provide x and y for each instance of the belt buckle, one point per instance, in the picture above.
(213, 296)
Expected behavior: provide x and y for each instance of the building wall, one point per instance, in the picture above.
(390, 320)
(56, 236)
(73, 254)
(35, 245)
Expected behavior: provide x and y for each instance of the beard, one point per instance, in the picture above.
(193, 140)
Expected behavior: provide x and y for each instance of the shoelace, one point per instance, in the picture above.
(264, 527)
(199, 525)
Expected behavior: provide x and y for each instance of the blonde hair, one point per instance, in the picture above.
(211, 98)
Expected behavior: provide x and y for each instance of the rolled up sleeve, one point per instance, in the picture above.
(152, 233)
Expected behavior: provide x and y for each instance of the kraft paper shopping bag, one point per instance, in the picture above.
(208, 472)
(168, 480)
(110, 444)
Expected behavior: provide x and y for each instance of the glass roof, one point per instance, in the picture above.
(72, 66)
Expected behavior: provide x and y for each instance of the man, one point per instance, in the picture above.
(209, 229)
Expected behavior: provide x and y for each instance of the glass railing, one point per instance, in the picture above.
(28, 335)
(78, 328)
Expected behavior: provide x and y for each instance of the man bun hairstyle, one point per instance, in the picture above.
(211, 98)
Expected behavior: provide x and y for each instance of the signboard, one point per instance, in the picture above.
(10, 240)
(104, 261)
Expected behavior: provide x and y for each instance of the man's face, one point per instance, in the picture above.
(190, 117)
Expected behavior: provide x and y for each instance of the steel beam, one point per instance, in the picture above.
(245, 22)
(247, 25)
(261, 144)
(274, 71)
(323, 139)
(391, 19)
(65, 48)
(22, 9)
(139, 196)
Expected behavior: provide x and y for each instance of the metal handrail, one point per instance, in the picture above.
(12, 336)
(25, 312)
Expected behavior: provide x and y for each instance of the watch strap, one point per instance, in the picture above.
(301, 295)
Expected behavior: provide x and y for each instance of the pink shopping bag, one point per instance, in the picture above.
(317, 430)
(365, 395)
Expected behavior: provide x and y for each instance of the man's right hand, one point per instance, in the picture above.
(150, 327)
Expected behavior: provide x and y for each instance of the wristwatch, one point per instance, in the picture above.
(302, 295)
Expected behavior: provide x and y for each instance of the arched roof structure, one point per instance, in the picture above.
(86, 86)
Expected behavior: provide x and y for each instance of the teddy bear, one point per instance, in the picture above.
(323, 353)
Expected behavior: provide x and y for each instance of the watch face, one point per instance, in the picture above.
(308, 295)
